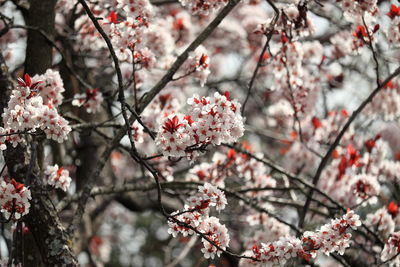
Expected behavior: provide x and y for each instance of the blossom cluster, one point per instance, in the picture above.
(128, 34)
(391, 251)
(271, 228)
(344, 184)
(267, 229)
(250, 172)
(210, 120)
(331, 237)
(293, 74)
(195, 216)
(198, 63)
(358, 8)
(58, 177)
(91, 100)
(213, 172)
(26, 110)
(100, 247)
(393, 33)
(293, 22)
(126, 26)
(382, 221)
(365, 186)
(50, 87)
(390, 95)
(14, 199)
(203, 7)
(358, 172)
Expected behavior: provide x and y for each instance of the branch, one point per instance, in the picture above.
(374, 56)
(327, 156)
(121, 97)
(146, 100)
(182, 57)
(260, 58)
(291, 176)
(50, 39)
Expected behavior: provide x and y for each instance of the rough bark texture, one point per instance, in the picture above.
(51, 237)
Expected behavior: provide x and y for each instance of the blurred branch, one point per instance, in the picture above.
(51, 40)
(163, 2)
(184, 252)
(327, 156)
(269, 35)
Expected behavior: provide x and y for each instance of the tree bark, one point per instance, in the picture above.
(39, 52)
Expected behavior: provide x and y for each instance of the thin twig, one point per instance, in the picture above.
(373, 53)
(260, 58)
(53, 43)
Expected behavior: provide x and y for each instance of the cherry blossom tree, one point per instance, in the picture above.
(199, 133)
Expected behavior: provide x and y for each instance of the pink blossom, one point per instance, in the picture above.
(196, 214)
(391, 249)
(58, 177)
(26, 110)
(91, 100)
(331, 237)
(14, 199)
(209, 121)
(203, 7)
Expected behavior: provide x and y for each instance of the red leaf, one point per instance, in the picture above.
(172, 125)
(203, 61)
(369, 144)
(393, 208)
(17, 186)
(179, 24)
(227, 95)
(231, 154)
(394, 12)
(316, 122)
(360, 32)
(389, 85)
(376, 28)
(28, 80)
(189, 119)
(112, 17)
(265, 56)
